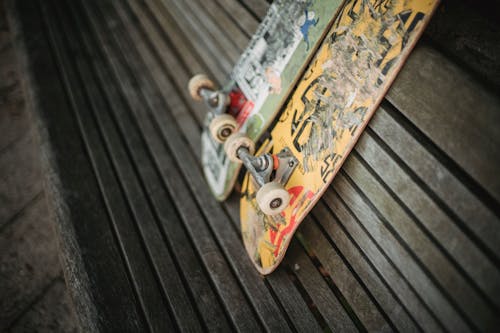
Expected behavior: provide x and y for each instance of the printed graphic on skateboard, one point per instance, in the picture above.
(323, 118)
(260, 82)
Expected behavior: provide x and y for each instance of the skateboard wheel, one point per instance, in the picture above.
(222, 126)
(235, 142)
(196, 83)
(272, 198)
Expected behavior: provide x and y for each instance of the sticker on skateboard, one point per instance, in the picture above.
(323, 118)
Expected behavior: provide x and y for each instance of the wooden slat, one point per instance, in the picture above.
(440, 273)
(205, 22)
(233, 250)
(352, 219)
(431, 219)
(257, 7)
(335, 268)
(467, 209)
(166, 211)
(378, 228)
(454, 111)
(87, 98)
(240, 15)
(293, 303)
(205, 44)
(231, 29)
(160, 58)
(378, 287)
(327, 303)
(161, 24)
(109, 278)
(157, 250)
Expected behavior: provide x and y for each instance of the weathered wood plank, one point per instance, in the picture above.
(157, 20)
(445, 105)
(431, 219)
(466, 207)
(227, 46)
(91, 137)
(30, 37)
(367, 240)
(257, 7)
(221, 18)
(192, 53)
(376, 225)
(294, 305)
(336, 269)
(324, 299)
(428, 266)
(366, 270)
(204, 44)
(158, 253)
(240, 15)
(168, 74)
(218, 222)
(166, 214)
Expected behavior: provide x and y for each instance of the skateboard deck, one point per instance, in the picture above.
(263, 77)
(325, 115)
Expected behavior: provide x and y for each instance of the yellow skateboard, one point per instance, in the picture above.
(322, 120)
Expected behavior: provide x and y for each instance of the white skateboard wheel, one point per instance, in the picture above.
(198, 82)
(222, 126)
(235, 142)
(272, 198)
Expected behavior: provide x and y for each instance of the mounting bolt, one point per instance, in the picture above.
(276, 203)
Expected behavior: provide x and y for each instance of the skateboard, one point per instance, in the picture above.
(322, 120)
(260, 82)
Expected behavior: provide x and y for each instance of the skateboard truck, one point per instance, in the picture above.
(216, 100)
(221, 124)
(269, 171)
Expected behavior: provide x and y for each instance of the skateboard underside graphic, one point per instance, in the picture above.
(325, 115)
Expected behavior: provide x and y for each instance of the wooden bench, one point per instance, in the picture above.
(407, 238)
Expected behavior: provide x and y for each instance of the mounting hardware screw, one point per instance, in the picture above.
(226, 132)
(276, 203)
